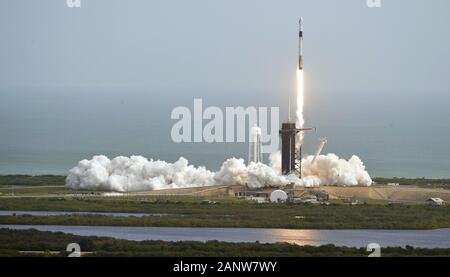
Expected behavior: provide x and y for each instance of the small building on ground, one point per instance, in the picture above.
(435, 201)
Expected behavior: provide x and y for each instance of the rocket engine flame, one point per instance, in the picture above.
(300, 121)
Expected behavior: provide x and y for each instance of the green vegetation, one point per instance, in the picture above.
(37, 191)
(229, 214)
(13, 241)
(420, 182)
(43, 185)
(28, 180)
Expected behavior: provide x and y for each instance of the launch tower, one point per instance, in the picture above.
(291, 158)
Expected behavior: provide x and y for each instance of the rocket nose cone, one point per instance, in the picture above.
(300, 20)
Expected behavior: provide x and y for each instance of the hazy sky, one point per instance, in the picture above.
(104, 78)
(358, 59)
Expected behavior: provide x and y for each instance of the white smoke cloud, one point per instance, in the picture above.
(261, 175)
(136, 173)
(331, 170)
(233, 171)
(275, 161)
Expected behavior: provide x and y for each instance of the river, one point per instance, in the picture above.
(437, 238)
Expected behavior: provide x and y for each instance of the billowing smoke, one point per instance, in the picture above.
(275, 161)
(233, 171)
(331, 170)
(136, 173)
(261, 175)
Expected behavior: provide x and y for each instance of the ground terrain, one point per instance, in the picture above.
(385, 207)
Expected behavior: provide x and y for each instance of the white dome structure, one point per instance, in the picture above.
(278, 196)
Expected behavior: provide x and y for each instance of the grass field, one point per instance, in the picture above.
(24, 242)
(230, 213)
(419, 182)
(29, 180)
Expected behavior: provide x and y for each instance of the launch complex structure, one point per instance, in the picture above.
(291, 153)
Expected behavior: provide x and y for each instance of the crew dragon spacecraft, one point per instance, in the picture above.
(300, 45)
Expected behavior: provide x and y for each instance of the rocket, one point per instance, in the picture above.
(300, 44)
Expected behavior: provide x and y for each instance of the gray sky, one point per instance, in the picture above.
(103, 79)
(363, 66)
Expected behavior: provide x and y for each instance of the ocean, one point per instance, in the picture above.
(49, 133)
(387, 152)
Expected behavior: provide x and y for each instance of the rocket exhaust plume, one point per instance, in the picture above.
(300, 121)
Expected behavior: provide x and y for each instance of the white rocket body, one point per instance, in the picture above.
(300, 45)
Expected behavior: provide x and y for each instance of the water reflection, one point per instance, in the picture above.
(439, 238)
(300, 237)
